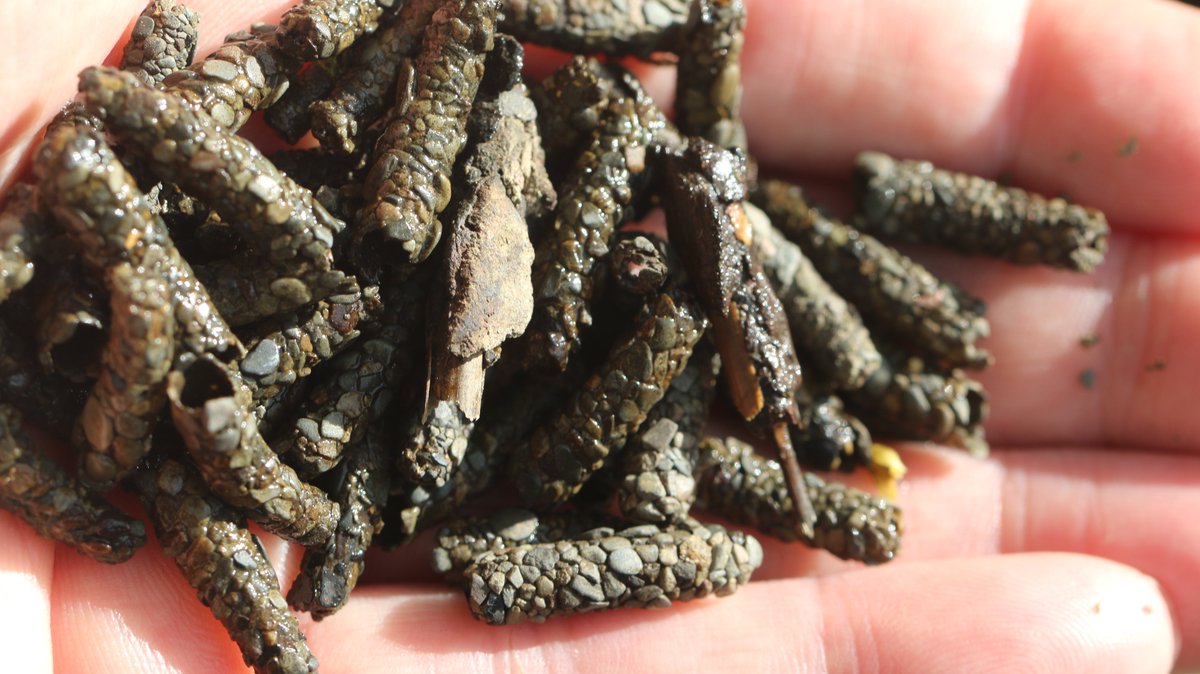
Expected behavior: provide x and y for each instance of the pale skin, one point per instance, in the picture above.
(1074, 548)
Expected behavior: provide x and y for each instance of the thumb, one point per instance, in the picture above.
(1028, 613)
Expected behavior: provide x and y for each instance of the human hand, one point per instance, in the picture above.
(989, 86)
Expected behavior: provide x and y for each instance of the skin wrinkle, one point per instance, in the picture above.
(1144, 324)
(92, 602)
(821, 656)
(863, 651)
(447, 600)
(1093, 525)
(1014, 110)
(444, 604)
(1061, 635)
(512, 662)
(1090, 91)
(1145, 311)
(1121, 266)
(1015, 511)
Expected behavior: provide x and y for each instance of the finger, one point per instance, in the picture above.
(1060, 613)
(1051, 385)
(26, 564)
(1131, 507)
(48, 43)
(1051, 91)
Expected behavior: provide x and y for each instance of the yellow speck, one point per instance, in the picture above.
(132, 238)
(887, 468)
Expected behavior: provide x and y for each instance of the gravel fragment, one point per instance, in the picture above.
(742, 486)
(915, 201)
(19, 227)
(694, 560)
(226, 565)
(329, 573)
(114, 430)
(554, 463)
(280, 218)
(163, 40)
(895, 294)
(209, 405)
(409, 183)
(319, 29)
(593, 26)
(366, 87)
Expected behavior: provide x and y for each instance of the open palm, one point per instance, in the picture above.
(1076, 547)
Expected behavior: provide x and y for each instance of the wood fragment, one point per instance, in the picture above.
(486, 293)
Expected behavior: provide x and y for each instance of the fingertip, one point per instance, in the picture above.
(1032, 612)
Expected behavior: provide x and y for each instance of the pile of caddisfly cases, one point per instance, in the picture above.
(349, 344)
